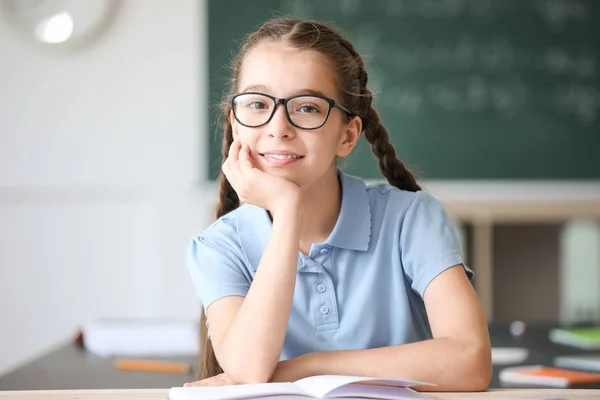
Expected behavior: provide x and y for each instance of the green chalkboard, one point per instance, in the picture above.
(468, 89)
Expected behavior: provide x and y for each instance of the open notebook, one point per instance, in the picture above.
(315, 387)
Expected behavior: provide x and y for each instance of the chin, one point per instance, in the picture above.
(288, 174)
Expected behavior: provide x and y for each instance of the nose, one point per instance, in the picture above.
(279, 126)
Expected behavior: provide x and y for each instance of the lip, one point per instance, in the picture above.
(274, 162)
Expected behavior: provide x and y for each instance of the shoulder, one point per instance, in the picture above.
(224, 227)
(216, 260)
(224, 231)
(243, 233)
(393, 201)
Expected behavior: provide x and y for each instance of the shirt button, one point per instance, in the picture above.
(324, 310)
(321, 288)
(324, 251)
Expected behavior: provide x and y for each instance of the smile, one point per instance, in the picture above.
(281, 156)
(280, 159)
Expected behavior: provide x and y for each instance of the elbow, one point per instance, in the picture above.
(478, 371)
(248, 367)
(250, 378)
(479, 381)
(251, 374)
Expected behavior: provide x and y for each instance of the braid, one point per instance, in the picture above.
(391, 167)
(208, 365)
(228, 198)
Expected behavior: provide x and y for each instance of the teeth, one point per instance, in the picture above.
(281, 156)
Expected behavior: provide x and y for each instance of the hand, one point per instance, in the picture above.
(254, 186)
(217, 380)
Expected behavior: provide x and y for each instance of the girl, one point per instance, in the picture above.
(316, 273)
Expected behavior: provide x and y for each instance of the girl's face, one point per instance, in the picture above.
(278, 147)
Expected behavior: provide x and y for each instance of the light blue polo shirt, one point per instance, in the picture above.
(362, 288)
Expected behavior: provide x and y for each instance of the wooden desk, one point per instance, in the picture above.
(161, 394)
(70, 367)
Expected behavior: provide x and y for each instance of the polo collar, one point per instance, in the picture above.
(352, 230)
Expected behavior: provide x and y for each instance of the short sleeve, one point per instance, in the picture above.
(215, 263)
(428, 242)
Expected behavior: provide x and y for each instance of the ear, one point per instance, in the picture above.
(349, 137)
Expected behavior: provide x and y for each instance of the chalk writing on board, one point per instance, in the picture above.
(555, 13)
(299, 9)
(495, 55)
(561, 61)
(474, 69)
(473, 94)
(349, 7)
(435, 9)
(494, 68)
(583, 102)
(476, 94)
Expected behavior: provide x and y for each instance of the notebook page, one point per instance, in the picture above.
(378, 392)
(236, 392)
(320, 386)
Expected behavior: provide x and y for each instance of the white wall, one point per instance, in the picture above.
(101, 155)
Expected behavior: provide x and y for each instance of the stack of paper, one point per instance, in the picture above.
(142, 338)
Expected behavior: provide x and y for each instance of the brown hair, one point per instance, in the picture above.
(352, 81)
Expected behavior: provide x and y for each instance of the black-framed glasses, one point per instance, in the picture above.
(304, 111)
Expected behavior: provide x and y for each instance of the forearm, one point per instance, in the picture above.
(250, 350)
(451, 365)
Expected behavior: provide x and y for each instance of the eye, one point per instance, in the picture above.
(308, 109)
(257, 105)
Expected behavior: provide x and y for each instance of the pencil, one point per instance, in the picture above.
(129, 364)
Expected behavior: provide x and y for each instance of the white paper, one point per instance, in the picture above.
(379, 392)
(236, 392)
(141, 337)
(317, 387)
(320, 386)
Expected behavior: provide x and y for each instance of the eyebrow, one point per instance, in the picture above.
(263, 88)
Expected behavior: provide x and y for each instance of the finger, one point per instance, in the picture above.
(245, 158)
(234, 150)
(233, 158)
(248, 170)
(212, 381)
(231, 168)
(192, 384)
(232, 173)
